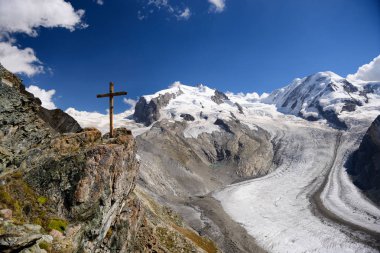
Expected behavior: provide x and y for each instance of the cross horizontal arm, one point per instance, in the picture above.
(120, 93)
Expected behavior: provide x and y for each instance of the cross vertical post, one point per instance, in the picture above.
(111, 94)
(111, 108)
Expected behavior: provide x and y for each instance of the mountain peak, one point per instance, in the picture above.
(323, 95)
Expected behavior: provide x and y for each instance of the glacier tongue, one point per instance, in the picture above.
(279, 209)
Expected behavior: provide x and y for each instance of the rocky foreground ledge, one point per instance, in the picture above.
(68, 189)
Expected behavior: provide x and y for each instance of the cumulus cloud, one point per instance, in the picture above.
(100, 2)
(217, 5)
(19, 60)
(46, 96)
(100, 120)
(130, 102)
(368, 72)
(26, 16)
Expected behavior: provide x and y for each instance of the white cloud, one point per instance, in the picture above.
(100, 2)
(46, 96)
(99, 120)
(217, 5)
(19, 60)
(368, 72)
(185, 15)
(130, 102)
(150, 6)
(25, 16)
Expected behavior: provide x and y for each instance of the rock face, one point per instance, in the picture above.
(59, 120)
(219, 97)
(89, 180)
(365, 163)
(148, 112)
(198, 166)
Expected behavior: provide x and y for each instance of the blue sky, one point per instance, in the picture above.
(249, 45)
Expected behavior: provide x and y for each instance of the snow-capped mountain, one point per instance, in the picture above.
(324, 95)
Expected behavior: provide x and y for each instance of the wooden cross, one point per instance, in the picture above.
(111, 95)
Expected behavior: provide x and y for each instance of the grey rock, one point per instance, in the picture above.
(364, 165)
(187, 117)
(147, 113)
(59, 120)
(14, 243)
(219, 97)
(241, 111)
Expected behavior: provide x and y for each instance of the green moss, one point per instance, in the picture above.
(2, 230)
(27, 206)
(42, 200)
(45, 245)
(166, 238)
(58, 224)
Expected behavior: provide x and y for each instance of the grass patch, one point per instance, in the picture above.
(27, 206)
(58, 224)
(45, 245)
(202, 242)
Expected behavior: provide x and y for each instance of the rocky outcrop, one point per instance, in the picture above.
(75, 192)
(219, 97)
(89, 180)
(74, 184)
(13, 87)
(364, 164)
(149, 112)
